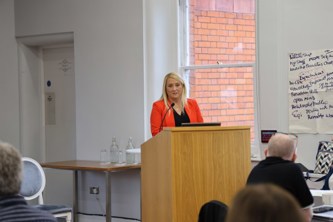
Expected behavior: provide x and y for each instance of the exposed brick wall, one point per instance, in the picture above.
(223, 31)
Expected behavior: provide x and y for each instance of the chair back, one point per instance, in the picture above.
(213, 211)
(33, 180)
(33, 184)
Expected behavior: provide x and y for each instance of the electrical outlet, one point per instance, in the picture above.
(94, 190)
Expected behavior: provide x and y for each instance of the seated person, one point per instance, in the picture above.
(264, 203)
(279, 168)
(13, 207)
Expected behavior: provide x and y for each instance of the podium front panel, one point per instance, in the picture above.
(184, 168)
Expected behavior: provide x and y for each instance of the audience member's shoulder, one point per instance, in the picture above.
(43, 216)
(47, 217)
(13, 208)
(294, 167)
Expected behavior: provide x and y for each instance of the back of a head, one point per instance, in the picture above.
(10, 170)
(281, 145)
(213, 211)
(264, 203)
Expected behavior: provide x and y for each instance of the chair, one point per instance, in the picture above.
(213, 211)
(33, 184)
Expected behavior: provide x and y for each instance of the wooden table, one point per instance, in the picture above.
(88, 165)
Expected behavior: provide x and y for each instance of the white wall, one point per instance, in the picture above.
(109, 80)
(287, 26)
(161, 48)
(9, 91)
(30, 106)
(108, 45)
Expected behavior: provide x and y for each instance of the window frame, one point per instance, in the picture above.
(184, 67)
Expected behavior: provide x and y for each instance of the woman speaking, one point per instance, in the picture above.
(173, 108)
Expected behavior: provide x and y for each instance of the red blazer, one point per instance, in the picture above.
(159, 110)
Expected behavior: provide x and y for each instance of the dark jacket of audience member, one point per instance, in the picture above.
(279, 168)
(13, 207)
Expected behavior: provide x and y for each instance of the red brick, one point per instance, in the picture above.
(204, 19)
(213, 38)
(240, 33)
(239, 21)
(204, 44)
(231, 27)
(222, 44)
(222, 20)
(248, 16)
(230, 15)
(249, 28)
(213, 14)
(203, 32)
(204, 25)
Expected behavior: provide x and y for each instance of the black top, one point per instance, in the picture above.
(285, 174)
(182, 118)
(15, 208)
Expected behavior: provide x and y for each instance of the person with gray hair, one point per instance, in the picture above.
(13, 207)
(279, 168)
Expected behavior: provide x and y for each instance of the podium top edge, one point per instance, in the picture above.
(205, 128)
(167, 131)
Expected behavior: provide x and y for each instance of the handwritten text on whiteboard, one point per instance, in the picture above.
(311, 91)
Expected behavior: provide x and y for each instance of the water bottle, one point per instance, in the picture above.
(129, 155)
(104, 157)
(121, 157)
(114, 151)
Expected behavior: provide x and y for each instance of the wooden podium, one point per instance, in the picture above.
(184, 167)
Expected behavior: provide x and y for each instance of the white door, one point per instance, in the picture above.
(60, 132)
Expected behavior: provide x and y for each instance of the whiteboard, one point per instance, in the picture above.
(286, 26)
(311, 91)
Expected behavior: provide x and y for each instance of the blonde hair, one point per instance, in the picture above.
(178, 78)
(10, 170)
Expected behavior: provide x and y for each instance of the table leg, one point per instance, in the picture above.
(75, 196)
(108, 196)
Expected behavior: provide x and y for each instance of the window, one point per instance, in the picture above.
(218, 59)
